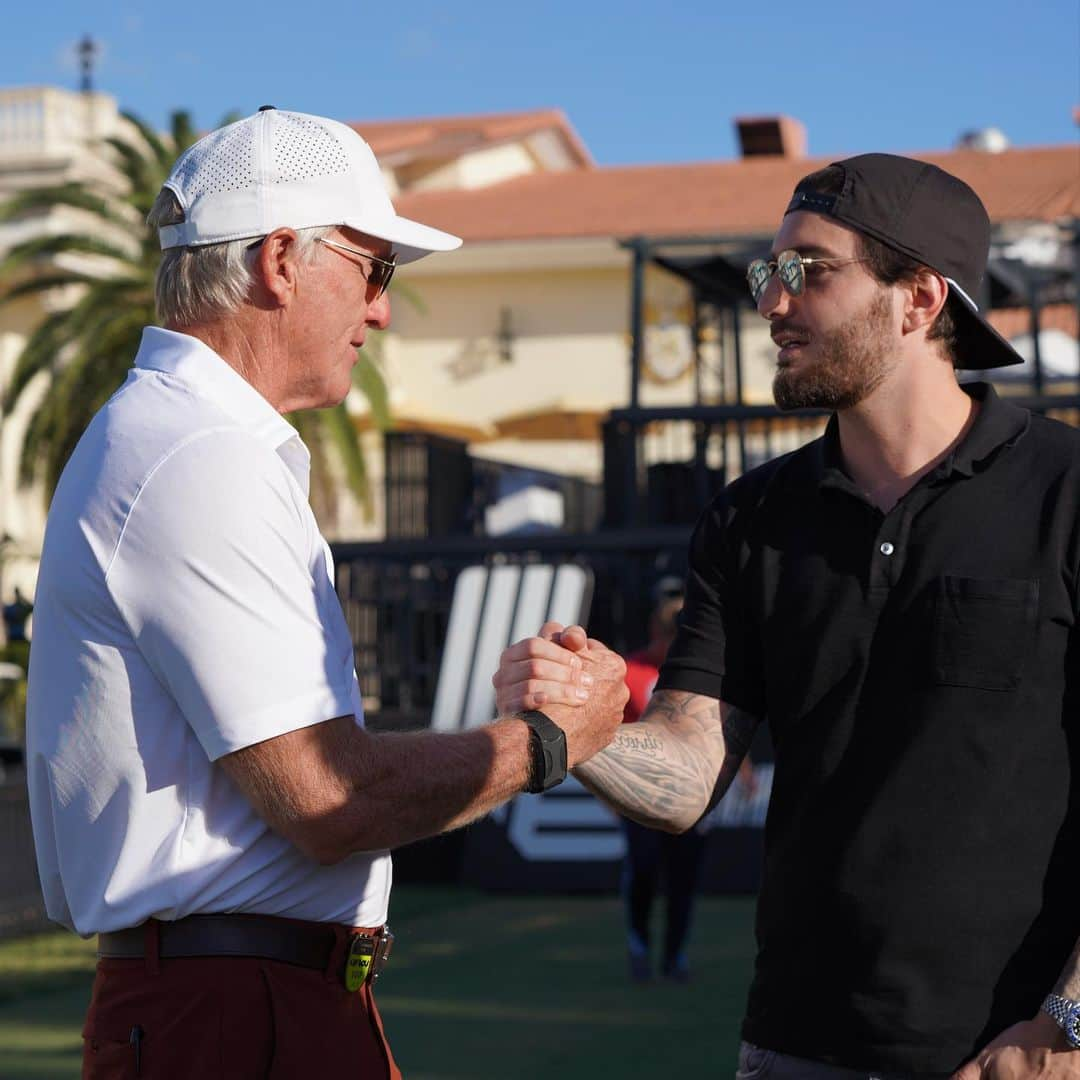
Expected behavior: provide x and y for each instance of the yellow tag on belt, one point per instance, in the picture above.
(358, 962)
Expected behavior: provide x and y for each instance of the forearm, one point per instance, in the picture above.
(424, 783)
(667, 770)
(335, 788)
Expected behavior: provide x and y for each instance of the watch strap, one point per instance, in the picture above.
(1066, 1014)
(547, 750)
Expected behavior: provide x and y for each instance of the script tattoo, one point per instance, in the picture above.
(675, 763)
(646, 743)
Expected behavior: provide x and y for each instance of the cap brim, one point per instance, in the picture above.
(410, 239)
(979, 346)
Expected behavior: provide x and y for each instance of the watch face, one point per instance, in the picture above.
(1072, 1025)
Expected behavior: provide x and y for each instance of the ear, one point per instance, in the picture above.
(275, 267)
(924, 297)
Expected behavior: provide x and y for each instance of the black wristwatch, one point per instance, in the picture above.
(547, 748)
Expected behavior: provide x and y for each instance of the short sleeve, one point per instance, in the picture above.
(715, 652)
(221, 576)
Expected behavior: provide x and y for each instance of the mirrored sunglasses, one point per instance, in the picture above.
(790, 267)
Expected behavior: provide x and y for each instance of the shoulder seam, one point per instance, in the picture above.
(166, 457)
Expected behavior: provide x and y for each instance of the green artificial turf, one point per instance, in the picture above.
(480, 987)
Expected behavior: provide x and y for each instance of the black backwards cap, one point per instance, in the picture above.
(929, 215)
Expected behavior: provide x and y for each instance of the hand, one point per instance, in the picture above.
(589, 726)
(550, 671)
(544, 670)
(1030, 1049)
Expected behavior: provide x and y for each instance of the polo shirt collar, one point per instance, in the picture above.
(997, 424)
(194, 361)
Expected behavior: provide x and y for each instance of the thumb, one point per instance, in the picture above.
(573, 638)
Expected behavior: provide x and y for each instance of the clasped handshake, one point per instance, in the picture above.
(576, 680)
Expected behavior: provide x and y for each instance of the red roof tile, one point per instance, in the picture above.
(436, 136)
(736, 197)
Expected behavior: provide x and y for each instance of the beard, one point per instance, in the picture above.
(852, 361)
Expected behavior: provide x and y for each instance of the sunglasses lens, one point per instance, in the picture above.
(790, 268)
(757, 277)
(381, 275)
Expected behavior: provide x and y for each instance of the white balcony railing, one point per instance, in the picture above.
(45, 121)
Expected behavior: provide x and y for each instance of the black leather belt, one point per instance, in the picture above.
(306, 944)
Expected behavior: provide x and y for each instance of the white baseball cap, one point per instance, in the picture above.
(287, 169)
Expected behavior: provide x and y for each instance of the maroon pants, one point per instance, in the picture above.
(231, 1017)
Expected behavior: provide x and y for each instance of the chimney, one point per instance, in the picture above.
(771, 136)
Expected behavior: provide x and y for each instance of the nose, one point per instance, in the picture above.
(775, 301)
(378, 312)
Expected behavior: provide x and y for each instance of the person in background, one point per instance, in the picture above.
(650, 853)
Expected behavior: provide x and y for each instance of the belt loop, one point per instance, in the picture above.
(336, 963)
(151, 946)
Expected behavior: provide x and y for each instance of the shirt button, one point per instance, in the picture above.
(886, 548)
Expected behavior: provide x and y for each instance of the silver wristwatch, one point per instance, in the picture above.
(1066, 1014)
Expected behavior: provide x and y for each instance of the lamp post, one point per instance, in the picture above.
(88, 51)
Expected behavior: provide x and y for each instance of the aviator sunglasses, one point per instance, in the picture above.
(790, 267)
(381, 272)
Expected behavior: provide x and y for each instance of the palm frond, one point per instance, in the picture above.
(43, 283)
(40, 247)
(158, 149)
(73, 195)
(183, 133)
(89, 378)
(343, 436)
(368, 379)
(38, 354)
(138, 171)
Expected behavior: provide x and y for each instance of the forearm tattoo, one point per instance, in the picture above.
(674, 764)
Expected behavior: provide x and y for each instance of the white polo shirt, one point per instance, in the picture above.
(185, 608)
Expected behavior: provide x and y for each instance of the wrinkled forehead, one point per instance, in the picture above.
(814, 234)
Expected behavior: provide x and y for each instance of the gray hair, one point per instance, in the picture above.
(199, 284)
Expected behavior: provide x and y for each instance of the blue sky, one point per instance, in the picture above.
(655, 82)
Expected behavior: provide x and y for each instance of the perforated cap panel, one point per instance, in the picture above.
(223, 161)
(303, 148)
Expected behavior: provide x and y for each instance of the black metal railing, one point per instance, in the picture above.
(397, 595)
(435, 488)
(663, 464)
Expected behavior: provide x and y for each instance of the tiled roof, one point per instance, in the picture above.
(731, 197)
(448, 135)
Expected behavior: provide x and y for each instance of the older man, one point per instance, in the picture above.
(204, 795)
(899, 600)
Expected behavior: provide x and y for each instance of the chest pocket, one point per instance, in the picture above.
(983, 631)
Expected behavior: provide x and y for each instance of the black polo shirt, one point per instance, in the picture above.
(919, 673)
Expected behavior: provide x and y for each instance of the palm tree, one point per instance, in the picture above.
(87, 343)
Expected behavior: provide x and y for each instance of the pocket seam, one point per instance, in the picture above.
(1017, 596)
